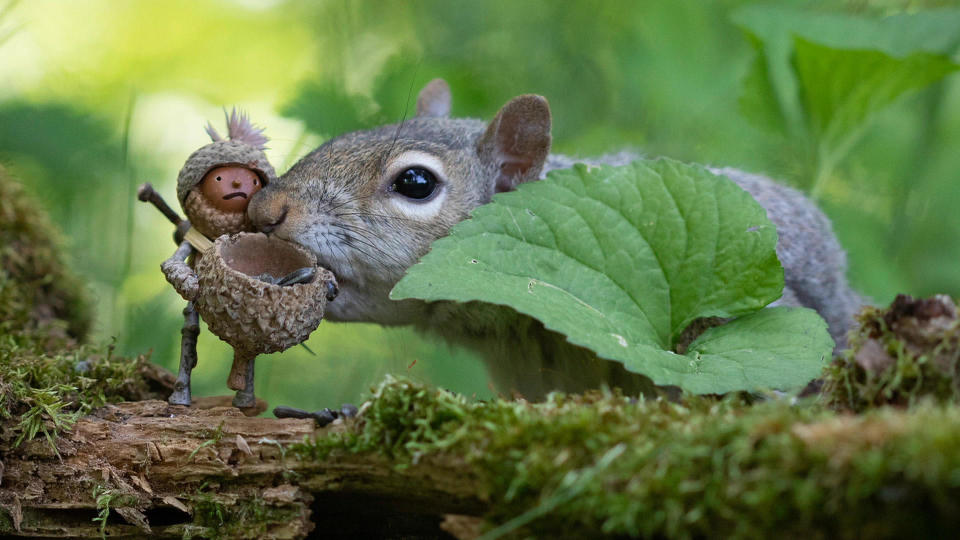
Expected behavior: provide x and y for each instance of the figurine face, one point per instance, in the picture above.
(229, 188)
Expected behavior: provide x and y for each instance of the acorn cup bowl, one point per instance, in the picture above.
(252, 315)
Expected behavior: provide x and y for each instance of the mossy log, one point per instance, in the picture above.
(425, 463)
(148, 467)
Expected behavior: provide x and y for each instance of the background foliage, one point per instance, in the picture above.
(99, 96)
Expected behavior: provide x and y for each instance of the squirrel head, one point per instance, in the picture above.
(370, 203)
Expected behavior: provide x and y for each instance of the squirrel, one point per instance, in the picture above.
(370, 203)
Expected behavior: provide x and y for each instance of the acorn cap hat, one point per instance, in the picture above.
(244, 147)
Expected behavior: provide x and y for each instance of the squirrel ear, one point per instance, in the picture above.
(517, 141)
(434, 99)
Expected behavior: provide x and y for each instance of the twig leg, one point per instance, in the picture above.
(242, 365)
(188, 356)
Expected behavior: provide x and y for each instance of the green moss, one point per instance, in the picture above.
(207, 510)
(6, 523)
(579, 465)
(247, 518)
(106, 499)
(213, 438)
(48, 377)
(899, 356)
(42, 304)
(46, 393)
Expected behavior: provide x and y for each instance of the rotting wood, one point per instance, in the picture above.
(173, 471)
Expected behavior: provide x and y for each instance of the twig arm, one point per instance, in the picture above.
(179, 273)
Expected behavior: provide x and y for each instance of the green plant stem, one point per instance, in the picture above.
(826, 163)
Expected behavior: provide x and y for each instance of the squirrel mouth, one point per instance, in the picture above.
(234, 195)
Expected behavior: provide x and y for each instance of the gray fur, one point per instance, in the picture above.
(337, 202)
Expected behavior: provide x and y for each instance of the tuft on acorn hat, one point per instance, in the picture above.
(244, 146)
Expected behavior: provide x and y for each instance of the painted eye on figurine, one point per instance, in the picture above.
(229, 188)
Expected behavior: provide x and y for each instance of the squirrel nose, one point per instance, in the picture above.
(268, 228)
(268, 209)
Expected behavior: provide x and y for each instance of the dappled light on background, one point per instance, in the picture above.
(99, 96)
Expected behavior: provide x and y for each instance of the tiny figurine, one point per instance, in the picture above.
(257, 293)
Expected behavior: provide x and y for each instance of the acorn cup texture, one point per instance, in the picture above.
(254, 316)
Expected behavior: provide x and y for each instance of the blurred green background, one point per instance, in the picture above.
(99, 96)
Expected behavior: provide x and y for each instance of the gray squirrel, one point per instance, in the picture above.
(370, 203)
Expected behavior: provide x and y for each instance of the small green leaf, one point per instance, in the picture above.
(767, 348)
(621, 260)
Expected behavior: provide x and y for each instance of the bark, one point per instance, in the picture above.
(173, 471)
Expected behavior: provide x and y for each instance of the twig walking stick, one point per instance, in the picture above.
(147, 194)
(184, 231)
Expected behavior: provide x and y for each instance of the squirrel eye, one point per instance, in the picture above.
(415, 183)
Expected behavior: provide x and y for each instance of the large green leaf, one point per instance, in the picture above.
(621, 260)
(760, 101)
(819, 77)
(933, 31)
(839, 89)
